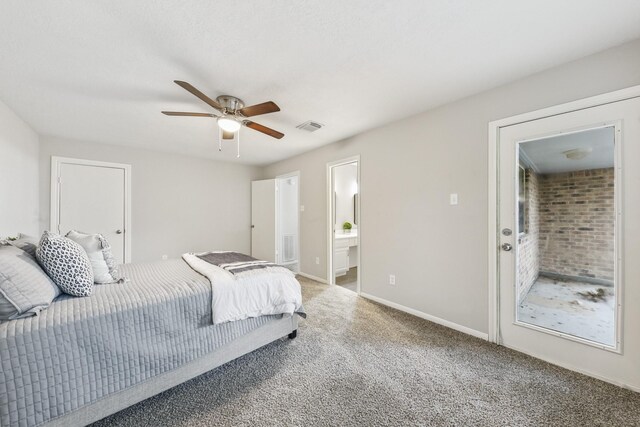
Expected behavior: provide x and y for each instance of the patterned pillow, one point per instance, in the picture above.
(98, 250)
(66, 263)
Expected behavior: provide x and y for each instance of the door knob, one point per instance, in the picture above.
(506, 247)
(118, 231)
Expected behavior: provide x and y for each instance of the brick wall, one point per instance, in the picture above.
(577, 223)
(528, 252)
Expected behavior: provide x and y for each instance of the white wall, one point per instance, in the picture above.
(179, 203)
(18, 175)
(345, 179)
(438, 252)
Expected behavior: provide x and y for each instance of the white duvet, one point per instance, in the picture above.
(268, 291)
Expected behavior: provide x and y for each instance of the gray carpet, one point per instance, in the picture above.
(357, 363)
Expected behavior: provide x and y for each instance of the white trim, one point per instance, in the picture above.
(331, 220)
(299, 248)
(54, 218)
(492, 279)
(492, 184)
(434, 319)
(312, 277)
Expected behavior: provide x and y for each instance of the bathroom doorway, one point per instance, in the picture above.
(344, 223)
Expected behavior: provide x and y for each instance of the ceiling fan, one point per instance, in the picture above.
(232, 114)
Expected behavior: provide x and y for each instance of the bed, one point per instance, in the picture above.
(85, 358)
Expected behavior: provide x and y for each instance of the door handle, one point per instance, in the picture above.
(506, 247)
(118, 231)
(253, 226)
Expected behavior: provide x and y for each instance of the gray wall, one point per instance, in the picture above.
(438, 252)
(18, 175)
(179, 204)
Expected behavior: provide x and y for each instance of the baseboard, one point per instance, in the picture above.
(312, 277)
(428, 317)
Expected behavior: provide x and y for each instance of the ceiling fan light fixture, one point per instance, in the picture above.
(228, 124)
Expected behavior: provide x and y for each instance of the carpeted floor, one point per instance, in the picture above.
(357, 363)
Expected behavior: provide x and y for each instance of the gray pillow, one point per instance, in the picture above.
(26, 243)
(66, 263)
(24, 288)
(98, 250)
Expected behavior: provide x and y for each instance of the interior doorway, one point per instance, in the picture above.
(344, 223)
(288, 221)
(563, 291)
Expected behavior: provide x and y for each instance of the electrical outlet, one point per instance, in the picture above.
(301, 208)
(164, 257)
(453, 198)
(392, 279)
(318, 260)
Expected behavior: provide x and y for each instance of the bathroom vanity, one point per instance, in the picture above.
(345, 251)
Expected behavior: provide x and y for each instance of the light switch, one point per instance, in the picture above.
(453, 198)
(301, 208)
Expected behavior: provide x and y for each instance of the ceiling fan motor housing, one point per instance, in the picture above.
(230, 103)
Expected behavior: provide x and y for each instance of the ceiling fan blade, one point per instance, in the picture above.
(180, 113)
(263, 129)
(256, 110)
(228, 135)
(199, 94)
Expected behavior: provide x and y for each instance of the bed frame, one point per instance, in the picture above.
(279, 328)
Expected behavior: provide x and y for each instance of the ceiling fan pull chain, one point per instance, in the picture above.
(219, 139)
(238, 133)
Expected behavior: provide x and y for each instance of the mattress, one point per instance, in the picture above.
(80, 350)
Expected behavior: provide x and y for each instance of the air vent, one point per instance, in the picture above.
(310, 126)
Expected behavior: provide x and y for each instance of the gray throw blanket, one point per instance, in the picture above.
(235, 262)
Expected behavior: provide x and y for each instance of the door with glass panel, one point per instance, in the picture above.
(566, 245)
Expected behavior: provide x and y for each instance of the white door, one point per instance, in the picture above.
(91, 198)
(263, 220)
(618, 360)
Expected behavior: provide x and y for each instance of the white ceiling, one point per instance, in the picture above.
(101, 71)
(548, 155)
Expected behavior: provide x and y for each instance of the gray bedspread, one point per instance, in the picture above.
(82, 349)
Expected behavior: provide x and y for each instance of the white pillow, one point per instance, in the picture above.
(98, 250)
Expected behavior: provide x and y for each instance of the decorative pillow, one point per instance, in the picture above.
(98, 250)
(26, 243)
(66, 263)
(24, 288)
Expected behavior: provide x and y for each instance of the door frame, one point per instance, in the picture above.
(493, 187)
(331, 218)
(289, 175)
(54, 216)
